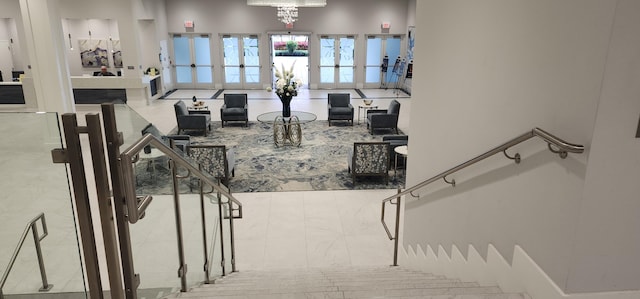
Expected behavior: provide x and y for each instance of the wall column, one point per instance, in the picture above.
(47, 71)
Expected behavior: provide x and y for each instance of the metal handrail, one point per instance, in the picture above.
(136, 208)
(31, 225)
(562, 148)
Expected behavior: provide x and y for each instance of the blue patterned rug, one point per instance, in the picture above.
(319, 163)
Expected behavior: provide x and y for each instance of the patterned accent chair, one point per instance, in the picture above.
(215, 160)
(235, 108)
(340, 108)
(369, 159)
(188, 121)
(384, 118)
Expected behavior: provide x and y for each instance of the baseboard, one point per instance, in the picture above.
(523, 275)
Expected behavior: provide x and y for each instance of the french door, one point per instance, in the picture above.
(379, 48)
(193, 68)
(337, 62)
(241, 62)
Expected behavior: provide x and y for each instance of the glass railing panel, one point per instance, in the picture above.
(32, 184)
(130, 123)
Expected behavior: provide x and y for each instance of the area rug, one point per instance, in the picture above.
(319, 163)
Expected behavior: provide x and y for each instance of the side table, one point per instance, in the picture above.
(201, 109)
(403, 151)
(365, 107)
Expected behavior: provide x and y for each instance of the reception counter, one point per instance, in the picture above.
(89, 90)
(96, 90)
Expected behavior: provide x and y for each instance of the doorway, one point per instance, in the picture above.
(291, 51)
(193, 68)
(241, 61)
(379, 47)
(337, 61)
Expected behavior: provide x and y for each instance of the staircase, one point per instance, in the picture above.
(372, 282)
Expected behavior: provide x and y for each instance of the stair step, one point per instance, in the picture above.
(343, 284)
(380, 282)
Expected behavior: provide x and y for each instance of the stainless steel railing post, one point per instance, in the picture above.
(397, 230)
(182, 270)
(232, 239)
(36, 239)
(221, 219)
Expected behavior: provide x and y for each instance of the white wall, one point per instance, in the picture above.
(487, 71)
(607, 240)
(10, 18)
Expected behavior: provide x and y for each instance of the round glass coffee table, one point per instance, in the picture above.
(287, 130)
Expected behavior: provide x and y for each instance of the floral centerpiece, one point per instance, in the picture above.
(286, 87)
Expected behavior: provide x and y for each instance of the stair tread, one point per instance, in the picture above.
(375, 282)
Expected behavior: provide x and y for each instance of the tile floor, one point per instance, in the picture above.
(284, 230)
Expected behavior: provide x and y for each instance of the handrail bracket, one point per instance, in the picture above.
(515, 158)
(451, 182)
(561, 153)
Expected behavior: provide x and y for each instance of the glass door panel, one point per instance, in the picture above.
(346, 64)
(392, 49)
(251, 60)
(373, 61)
(182, 51)
(204, 69)
(231, 61)
(327, 60)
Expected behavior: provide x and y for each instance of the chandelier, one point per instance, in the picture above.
(287, 14)
(288, 9)
(297, 3)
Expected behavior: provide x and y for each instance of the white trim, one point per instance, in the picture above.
(522, 276)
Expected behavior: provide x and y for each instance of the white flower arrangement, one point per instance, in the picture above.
(285, 85)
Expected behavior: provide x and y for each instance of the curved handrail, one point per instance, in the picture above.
(562, 148)
(135, 207)
(37, 238)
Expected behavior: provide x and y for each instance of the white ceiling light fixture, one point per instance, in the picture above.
(297, 3)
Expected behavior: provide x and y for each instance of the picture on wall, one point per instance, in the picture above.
(117, 53)
(412, 42)
(93, 52)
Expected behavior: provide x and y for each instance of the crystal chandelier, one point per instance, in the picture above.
(287, 13)
(297, 3)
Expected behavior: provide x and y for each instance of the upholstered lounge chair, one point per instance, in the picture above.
(384, 118)
(369, 159)
(215, 160)
(235, 108)
(191, 121)
(340, 108)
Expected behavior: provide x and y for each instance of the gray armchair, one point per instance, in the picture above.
(188, 121)
(215, 160)
(340, 108)
(384, 118)
(234, 108)
(369, 159)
